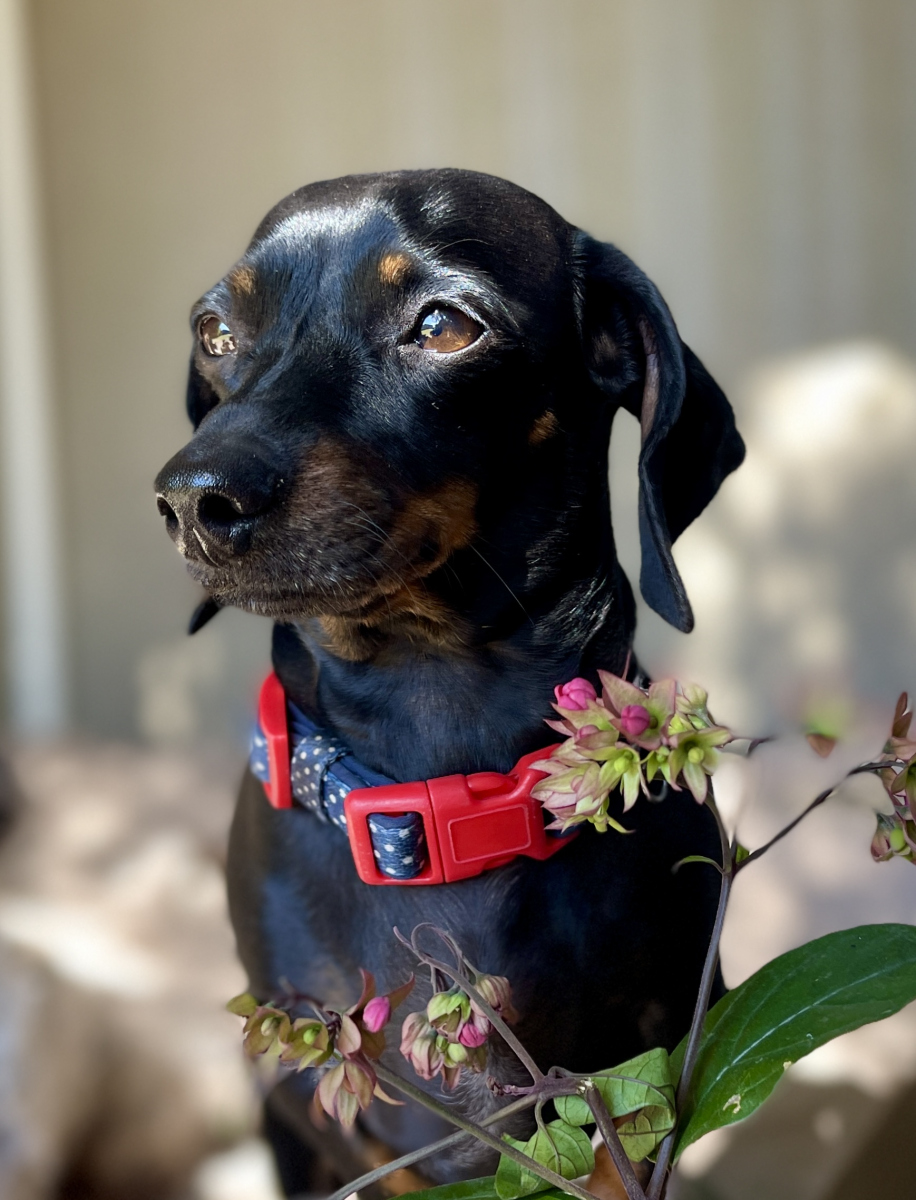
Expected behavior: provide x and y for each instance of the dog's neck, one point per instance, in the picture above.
(459, 675)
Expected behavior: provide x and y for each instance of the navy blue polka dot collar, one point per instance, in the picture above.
(323, 773)
(423, 832)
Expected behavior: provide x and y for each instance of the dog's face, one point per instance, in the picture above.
(394, 362)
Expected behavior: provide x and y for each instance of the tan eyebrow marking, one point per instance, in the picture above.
(544, 427)
(241, 280)
(393, 267)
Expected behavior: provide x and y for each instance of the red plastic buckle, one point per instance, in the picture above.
(272, 719)
(472, 822)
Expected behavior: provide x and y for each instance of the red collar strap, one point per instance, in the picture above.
(471, 823)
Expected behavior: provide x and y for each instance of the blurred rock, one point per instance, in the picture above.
(120, 1073)
(10, 798)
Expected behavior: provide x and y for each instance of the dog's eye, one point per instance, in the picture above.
(446, 330)
(216, 337)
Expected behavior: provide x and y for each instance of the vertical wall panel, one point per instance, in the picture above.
(758, 159)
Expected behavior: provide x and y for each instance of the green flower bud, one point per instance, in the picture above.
(442, 1004)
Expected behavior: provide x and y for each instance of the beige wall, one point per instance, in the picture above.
(757, 157)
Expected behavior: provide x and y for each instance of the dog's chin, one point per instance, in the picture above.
(286, 600)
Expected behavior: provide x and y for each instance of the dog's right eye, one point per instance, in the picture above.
(215, 336)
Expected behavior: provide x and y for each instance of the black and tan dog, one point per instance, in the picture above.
(402, 397)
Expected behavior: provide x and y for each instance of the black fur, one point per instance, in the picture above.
(432, 535)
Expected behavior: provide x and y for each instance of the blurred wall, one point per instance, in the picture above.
(756, 157)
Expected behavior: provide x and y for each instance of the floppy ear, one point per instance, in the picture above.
(200, 397)
(689, 439)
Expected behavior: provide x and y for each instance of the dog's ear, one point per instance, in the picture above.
(689, 439)
(200, 396)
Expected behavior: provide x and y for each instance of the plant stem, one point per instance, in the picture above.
(415, 1156)
(482, 1135)
(815, 803)
(611, 1139)
(659, 1175)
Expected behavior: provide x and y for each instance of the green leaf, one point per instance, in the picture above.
(242, 1006)
(741, 853)
(642, 1134)
(476, 1189)
(697, 858)
(468, 1189)
(643, 1086)
(561, 1147)
(788, 1008)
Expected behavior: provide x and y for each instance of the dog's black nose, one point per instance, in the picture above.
(212, 503)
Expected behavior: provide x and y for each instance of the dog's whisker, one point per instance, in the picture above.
(487, 563)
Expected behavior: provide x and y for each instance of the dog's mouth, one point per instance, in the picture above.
(349, 564)
(271, 594)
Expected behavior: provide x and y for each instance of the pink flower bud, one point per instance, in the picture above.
(472, 1036)
(634, 720)
(376, 1013)
(586, 731)
(575, 695)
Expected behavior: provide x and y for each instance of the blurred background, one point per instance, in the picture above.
(758, 159)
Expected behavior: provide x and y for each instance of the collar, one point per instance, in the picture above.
(429, 831)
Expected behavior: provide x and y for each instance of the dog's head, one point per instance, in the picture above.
(402, 365)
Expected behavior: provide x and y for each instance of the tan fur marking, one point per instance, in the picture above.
(544, 427)
(605, 1182)
(406, 607)
(241, 280)
(420, 534)
(393, 267)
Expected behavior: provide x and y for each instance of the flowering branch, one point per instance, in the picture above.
(622, 740)
(483, 1135)
(727, 873)
(415, 1156)
(862, 769)
(495, 985)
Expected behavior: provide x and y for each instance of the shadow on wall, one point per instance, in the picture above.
(802, 572)
(188, 687)
(802, 577)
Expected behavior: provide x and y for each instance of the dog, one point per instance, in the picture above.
(402, 397)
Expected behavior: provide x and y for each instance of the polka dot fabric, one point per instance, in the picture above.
(323, 773)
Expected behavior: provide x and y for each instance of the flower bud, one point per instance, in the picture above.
(376, 1013)
(635, 719)
(586, 731)
(472, 1037)
(496, 991)
(892, 838)
(447, 1011)
(575, 695)
(419, 1045)
(694, 698)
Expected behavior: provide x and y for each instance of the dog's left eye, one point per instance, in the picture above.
(216, 337)
(445, 330)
